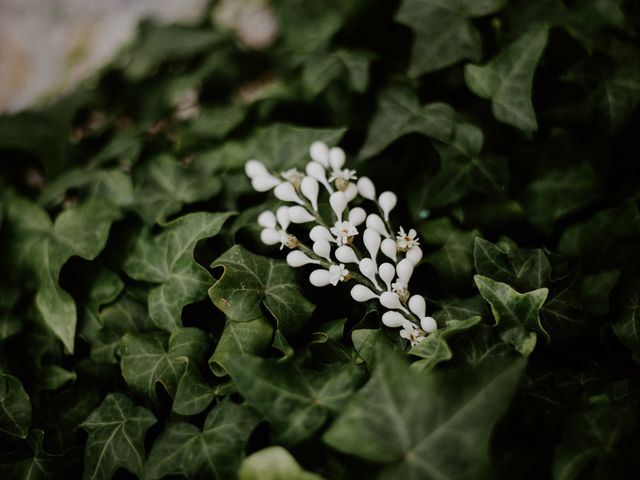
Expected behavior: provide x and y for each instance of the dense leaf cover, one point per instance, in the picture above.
(146, 331)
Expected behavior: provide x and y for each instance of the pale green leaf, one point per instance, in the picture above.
(167, 259)
(273, 463)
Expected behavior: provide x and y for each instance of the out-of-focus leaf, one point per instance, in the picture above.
(167, 259)
(250, 282)
(324, 68)
(426, 425)
(517, 314)
(273, 463)
(596, 289)
(296, 402)
(15, 414)
(116, 437)
(214, 452)
(507, 80)
(627, 325)
(443, 32)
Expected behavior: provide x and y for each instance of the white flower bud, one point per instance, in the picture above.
(414, 255)
(319, 232)
(345, 254)
(287, 193)
(351, 192)
(264, 183)
(255, 168)
(393, 319)
(336, 158)
(374, 222)
(418, 305)
(360, 293)
(319, 151)
(310, 189)
(320, 278)
(387, 272)
(296, 259)
(387, 202)
(368, 269)
(299, 214)
(428, 324)
(267, 219)
(282, 214)
(371, 240)
(404, 269)
(390, 300)
(366, 189)
(338, 203)
(357, 216)
(317, 171)
(270, 236)
(389, 248)
(322, 248)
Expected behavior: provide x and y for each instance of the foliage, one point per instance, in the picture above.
(146, 331)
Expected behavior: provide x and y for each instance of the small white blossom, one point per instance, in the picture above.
(411, 333)
(344, 231)
(405, 241)
(294, 176)
(344, 175)
(337, 274)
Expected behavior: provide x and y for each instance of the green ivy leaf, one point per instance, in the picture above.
(435, 349)
(367, 342)
(563, 315)
(116, 437)
(326, 67)
(517, 314)
(596, 289)
(507, 80)
(524, 269)
(444, 35)
(250, 281)
(400, 113)
(15, 411)
(434, 425)
(167, 259)
(45, 247)
(296, 402)
(252, 337)
(151, 358)
(457, 308)
(627, 325)
(215, 452)
(273, 463)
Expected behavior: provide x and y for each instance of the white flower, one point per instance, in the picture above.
(343, 231)
(293, 176)
(405, 241)
(344, 175)
(411, 333)
(337, 273)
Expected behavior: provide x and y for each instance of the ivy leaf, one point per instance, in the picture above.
(517, 314)
(150, 358)
(163, 186)
(273, 463)
(523, 269)
(591, 443)
(453, 260)
(444, 35)
(619, 95)
(563, 315)
(296, 402)
(15, 411)
(457, 308)
(507, 80)
(367, 342)
(596, 289)
(215, 452)
(46, 247)
(252, 337)
(116, 437)
(627, 325)
(400, 113)
(608, 239)
(167, 259)
(560, 192)
(38, 464)
(324, 68)
(250, 281)
(434, 425)
(435, 349)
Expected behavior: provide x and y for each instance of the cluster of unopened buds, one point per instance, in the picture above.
(382, 264)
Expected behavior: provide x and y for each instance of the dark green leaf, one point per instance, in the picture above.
(627, 325)
(324, 68)
(15, 407)
(167, 259)
(116, 437)
(250, 281)
(434, 425)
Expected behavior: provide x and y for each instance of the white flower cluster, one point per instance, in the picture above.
(382, 273)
